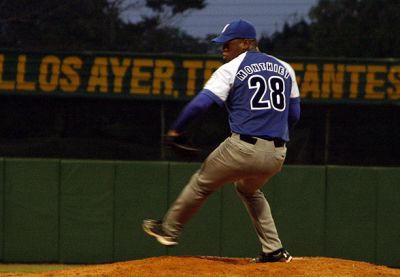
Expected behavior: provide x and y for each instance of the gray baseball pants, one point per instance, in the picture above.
(246, 165)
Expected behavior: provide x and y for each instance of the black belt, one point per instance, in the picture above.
(253, 140)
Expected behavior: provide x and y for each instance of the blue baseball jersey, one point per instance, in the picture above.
(257, 89)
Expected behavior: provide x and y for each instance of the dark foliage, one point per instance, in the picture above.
(342, 28)
(355, 28)
(93, 25)
(292, 41)
(346, 28)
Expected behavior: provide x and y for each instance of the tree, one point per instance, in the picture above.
(148, 36)
(355, 28)
(341, 28)
(56, 24)
(154, 33)
(291, 41)
(92, 25)
(176, 6)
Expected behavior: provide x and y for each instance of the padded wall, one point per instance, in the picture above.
(1, 208)
(388, 216)
(86, 211)
(201, 235)
(298, 206)
(91, 212)
(238, 236)
(31, 210)
(140, 192)
(351, 213)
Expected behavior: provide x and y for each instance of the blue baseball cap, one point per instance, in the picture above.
(236, 29)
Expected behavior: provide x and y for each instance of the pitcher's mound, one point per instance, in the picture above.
(217, 266)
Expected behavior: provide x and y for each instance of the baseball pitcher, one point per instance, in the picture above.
(262, 98)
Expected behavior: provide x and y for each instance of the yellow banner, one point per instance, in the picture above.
(182, 77)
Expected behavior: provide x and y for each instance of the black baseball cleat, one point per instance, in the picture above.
(154, 228)
(280, 255)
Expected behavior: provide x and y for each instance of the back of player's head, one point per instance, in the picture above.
(236, 29)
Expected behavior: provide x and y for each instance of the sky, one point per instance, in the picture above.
(267, 16)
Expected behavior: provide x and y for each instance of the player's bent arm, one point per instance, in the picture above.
(204, 100)
(294, 112)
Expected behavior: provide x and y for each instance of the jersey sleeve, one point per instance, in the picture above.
(295, 93)
(198, 105)
(221, 81)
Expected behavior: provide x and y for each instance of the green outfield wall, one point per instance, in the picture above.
(88, 211)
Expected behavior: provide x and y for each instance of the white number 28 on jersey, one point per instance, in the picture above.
(275, 86)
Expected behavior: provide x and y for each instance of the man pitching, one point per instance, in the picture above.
(262, 98)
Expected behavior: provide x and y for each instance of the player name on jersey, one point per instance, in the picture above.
(264, 66)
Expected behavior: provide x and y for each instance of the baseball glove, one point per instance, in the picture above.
(180, 145)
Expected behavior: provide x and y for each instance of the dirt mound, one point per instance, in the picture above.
(217, 266)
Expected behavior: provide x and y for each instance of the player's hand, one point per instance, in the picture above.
(173, 133)
(172, 137)
(177, 142)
